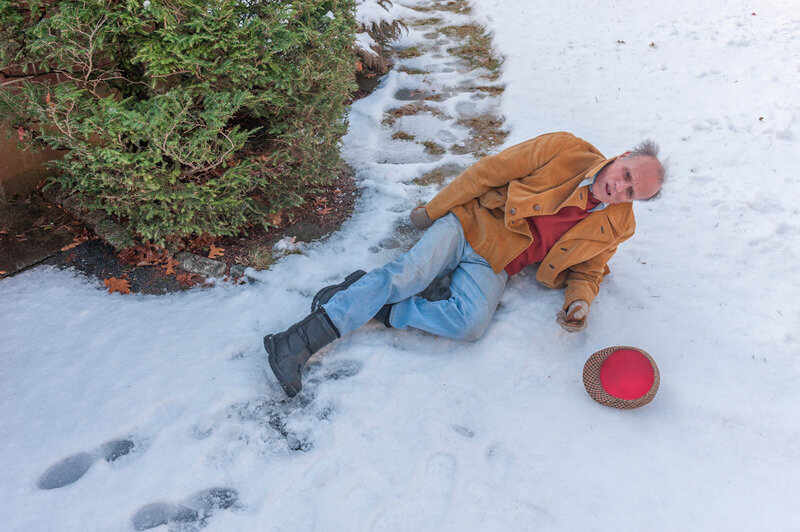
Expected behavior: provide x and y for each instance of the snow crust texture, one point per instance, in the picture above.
(139, 412)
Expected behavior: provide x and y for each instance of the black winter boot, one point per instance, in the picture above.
(325, 295)
(290, 350)
(383, 315)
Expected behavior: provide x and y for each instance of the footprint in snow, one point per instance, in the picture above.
(337, 370)
(316, 373)
(71, 468)
(68, 470)
(427, 499)
(280, 415)
(197, 509)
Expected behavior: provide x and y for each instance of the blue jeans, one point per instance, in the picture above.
(475, 289)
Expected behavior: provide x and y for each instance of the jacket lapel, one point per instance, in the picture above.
(607, 225)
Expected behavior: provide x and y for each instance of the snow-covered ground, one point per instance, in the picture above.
(399, 430)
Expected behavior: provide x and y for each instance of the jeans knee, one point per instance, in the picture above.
(472, 329)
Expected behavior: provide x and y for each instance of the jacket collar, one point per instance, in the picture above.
(599, 166)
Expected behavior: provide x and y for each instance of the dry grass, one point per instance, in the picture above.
(433, 148)
(439, 175)
(402, 135)
(485, 134)
(477, 50)
(432, 21)
(410, 109)
(432, 97)
(408, 53)
(454, 6)
(259, 257)
(494, 90)
(385, 32)
(417, 94)
(413, 71)
(462, 32)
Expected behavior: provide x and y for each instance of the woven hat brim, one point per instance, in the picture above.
(591, 380)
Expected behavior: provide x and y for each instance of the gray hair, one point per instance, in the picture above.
(648, 148)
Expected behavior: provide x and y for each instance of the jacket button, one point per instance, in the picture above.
(536, 207)
(513, 210)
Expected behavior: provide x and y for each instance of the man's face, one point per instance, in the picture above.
(627, 179)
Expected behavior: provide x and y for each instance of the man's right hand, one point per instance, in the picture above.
(420, 219)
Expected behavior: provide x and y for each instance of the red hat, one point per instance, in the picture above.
(621, 377)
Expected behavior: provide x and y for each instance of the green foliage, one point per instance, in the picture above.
(182, 116)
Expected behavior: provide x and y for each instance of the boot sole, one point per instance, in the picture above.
(273, 365)
(350, 279)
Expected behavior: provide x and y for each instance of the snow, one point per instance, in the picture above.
(365, 42)
(376, 12)
(400, 430)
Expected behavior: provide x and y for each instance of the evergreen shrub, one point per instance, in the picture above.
(182, 116)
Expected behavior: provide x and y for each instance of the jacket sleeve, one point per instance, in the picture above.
(583, 279)
(495, 171)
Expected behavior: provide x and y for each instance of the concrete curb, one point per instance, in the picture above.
(99, 222)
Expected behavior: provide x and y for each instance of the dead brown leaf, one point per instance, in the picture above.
(146, 254)
(276, 219)
(198, 243)
(216, 252)
(188, 279)
(77, 241)
(169, 266)
(322, 206)
(123, 286)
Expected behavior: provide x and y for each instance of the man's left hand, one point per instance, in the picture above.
(420, 219)
(574, 318)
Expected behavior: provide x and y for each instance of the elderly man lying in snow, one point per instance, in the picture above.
(553, 200)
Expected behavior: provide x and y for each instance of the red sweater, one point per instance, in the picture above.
(546, 231)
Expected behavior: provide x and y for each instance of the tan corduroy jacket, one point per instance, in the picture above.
(493, 197)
